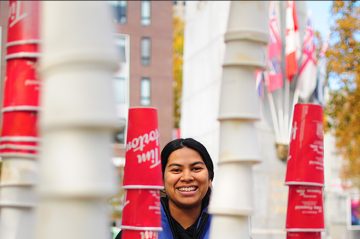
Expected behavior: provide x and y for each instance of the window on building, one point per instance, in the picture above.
(120, 90)
(179, 2)
(145, 51)
(119, 136)
(120, 11)
(121, 44)
(145, 13)
(145, 91)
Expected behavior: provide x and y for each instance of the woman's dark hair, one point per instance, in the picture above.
(198, 147)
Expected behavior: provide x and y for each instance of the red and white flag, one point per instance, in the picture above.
(274, 77)
(292, 40)
(308, 69)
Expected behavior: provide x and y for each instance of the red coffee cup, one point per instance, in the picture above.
(131, 234)
(19, 123)
(143, 163)
(303, 235)
(305, 209)
(305, 164)
(142, 210)
(23, 21)
(21, 83)
(12, 148)
(22, 50)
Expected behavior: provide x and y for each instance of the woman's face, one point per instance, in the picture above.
(186, 178)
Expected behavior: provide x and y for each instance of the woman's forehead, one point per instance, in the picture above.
(184, 156)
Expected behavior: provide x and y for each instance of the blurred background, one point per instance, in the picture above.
(171, 55)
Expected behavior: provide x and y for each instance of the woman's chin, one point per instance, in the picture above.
(189, 204)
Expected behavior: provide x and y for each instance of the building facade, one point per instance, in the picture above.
(144, 37)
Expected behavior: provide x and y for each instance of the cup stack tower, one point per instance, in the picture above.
(142, 176)
(19, 132)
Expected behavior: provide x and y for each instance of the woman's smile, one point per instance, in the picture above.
(187, 191)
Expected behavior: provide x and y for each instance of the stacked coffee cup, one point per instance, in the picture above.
(19, 137)
(305, 174)
(21, 90)
(142, 176)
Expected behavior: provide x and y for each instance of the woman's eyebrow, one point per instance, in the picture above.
(180, 165)
(198, 162)
(174, 165)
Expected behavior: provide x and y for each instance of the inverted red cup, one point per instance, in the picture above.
(305, 210)
(131, 234)
(21, 83)
(18, 148)
(142, 210)
(17, 152)
(303, 235)
(305, 164)
(23, 21)
(19, 123)
(22, 50)
(142, 158)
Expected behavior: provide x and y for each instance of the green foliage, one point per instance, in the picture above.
(178, 46)
(343, 71)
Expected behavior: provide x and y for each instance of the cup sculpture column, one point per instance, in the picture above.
(246, 39)
(76, 175)
(19, 134)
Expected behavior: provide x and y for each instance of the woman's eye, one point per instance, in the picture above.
(175, 170)
(197, 169)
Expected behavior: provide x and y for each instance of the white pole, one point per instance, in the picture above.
(246, 40)
(295, 101)
(77, 120)
(281, 117)
(274, 117)
(286, 112)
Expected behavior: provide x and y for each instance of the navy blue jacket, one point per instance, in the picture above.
(203, 225)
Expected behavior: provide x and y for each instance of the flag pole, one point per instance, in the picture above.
(286, 111)
(280, 114)
(287, 86)
(294, 102)
(283, 42)
(273, 116)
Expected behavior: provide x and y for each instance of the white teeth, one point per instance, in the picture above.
(187, 189)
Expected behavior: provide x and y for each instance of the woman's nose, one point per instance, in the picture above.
(187, 175)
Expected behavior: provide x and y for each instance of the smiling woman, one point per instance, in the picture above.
(188, 172)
